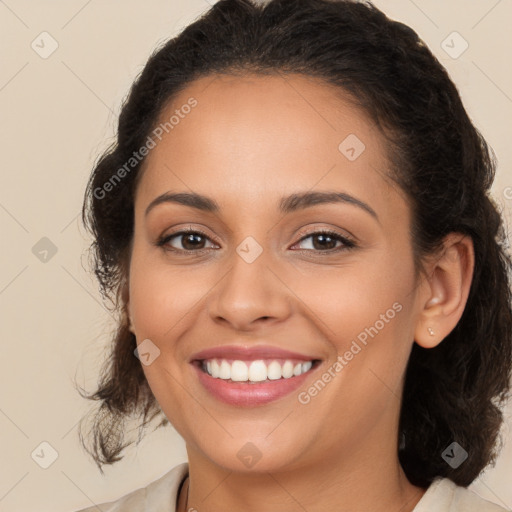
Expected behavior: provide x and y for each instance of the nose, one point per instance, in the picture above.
(249, 294)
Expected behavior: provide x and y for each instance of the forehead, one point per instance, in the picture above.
(257, 137)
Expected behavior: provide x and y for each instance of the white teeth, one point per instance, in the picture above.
(257, 371)
(306, 366)
(215, 368)
(287, 369)
(239, 371)
(254, 371)
(274, 371)
(225, 370)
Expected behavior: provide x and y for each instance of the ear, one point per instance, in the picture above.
(130, 321)
(125, 297)
(450, 276)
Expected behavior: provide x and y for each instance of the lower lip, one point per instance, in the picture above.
(247, 394)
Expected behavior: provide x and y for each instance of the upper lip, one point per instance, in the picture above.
(248, 353)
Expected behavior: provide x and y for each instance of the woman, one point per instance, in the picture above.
(296, 226)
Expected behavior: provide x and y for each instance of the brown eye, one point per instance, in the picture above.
(190, 241)
(324, 241)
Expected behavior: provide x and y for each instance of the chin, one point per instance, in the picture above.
(258, 453)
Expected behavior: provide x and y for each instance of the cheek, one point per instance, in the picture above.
(365, 317)
(364, 314)
(381, 310)
(347, 299)
(161, 295)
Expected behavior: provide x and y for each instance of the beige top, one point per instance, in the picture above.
(161, 495)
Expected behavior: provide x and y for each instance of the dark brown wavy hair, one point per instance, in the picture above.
(453, 392)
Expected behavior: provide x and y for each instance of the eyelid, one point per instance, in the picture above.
(347, 241)
(164, 239)
(304, 233)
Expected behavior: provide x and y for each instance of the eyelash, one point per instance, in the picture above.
(347, 242)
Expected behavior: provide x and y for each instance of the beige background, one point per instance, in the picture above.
(57, 114)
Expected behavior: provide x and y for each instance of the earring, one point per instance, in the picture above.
(431, 331)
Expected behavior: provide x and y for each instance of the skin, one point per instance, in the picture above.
(248, 142)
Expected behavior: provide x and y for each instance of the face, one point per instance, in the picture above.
(311, 298)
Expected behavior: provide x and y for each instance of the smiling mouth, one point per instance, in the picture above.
(255, 371)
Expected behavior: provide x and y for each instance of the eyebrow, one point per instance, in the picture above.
(287, 204)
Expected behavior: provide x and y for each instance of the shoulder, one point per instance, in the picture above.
(155, 496)
(444, 495)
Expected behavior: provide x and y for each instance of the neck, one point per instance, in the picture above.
(356, 482)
